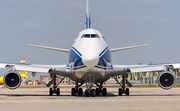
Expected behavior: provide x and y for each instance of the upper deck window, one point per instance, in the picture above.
(90, 36)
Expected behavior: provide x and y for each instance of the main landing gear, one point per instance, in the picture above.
(124, 90)
(54, 90)
(89, 83)
(89, 92)
(77, 90)
(100, 90)
(95, 92)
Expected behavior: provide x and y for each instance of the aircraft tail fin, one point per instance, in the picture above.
(88, 21)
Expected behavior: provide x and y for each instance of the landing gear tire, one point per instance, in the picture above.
(104, 91)
(120, 92)
(127, 91)
(73, 91)
(54, 91)
(93, 93)
(87, 93)
(50, 91)
(58, 92)
(98, 91)
(80, 91)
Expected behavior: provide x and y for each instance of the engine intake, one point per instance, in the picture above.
(166, 80)
(12, 80)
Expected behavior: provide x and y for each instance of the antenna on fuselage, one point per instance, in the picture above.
(88, 21)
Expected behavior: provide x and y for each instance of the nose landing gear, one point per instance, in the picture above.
(89, 85)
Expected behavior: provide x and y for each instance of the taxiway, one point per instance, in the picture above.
(140, 99)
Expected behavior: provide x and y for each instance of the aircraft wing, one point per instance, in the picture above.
(146, 67)
(127, 69)
(53, 69)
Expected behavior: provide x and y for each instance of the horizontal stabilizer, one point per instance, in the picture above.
(50, 48)
(126, 48)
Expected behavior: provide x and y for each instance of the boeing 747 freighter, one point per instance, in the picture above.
(89, 63)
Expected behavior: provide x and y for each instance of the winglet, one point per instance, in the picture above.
(88, 21)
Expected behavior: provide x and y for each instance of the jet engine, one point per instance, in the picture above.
(166, 80)
(12, 80)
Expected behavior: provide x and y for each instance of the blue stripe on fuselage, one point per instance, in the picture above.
(103, 51)
(75, 57)
(105, 56)
(77, 51)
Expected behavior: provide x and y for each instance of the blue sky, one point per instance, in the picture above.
(123, 23)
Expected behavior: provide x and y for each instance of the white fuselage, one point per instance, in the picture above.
(89, 55)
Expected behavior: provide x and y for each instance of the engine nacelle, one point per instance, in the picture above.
(166, 80)
(12, 80)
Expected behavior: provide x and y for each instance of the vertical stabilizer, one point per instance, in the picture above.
(88, 21)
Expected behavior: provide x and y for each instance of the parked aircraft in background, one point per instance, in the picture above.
(89, 63)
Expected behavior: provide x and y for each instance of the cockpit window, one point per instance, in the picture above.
(93, 35)
(86, 35)
(90, 36)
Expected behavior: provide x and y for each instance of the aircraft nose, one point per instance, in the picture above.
(90, 59)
